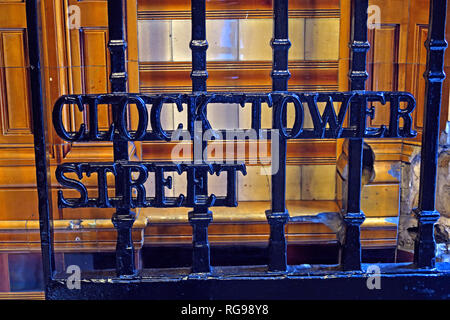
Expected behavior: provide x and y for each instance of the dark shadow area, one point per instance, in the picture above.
(91, 261)
(385, 255)
(25, 272)
(313, 254)
(181, 256)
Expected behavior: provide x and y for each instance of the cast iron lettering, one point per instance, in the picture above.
(130, 176)
(327, 125)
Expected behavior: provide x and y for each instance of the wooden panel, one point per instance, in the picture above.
(70, 235)
(247, 224)
(236, 76)
(95, 60)
(383, 66)
(228, 7)
(14, 88)
(16, 140)
(13, 205)
(12, 15)
(74, 61)
(9, 176)
(417, 58)
(318, 182)
(95, 68)
(88, 60)
(92, 13)
(299, 151)
(419, 67)
(321, 39)
(380, 200)
(377, 200)
(75, 76)
(386, 172)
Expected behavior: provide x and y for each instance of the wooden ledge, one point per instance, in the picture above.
(245, 224)
(245, 212)
(67, 225)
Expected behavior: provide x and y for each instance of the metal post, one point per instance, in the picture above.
(353, 216)
(278, 216)
(425, 246)
(123, 218)
(200, 217)
(40, 148)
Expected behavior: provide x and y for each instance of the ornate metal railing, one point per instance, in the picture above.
(203, 281)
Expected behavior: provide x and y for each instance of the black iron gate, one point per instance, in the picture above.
(277, 280)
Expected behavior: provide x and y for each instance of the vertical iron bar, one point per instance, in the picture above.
(278, 216)
(123, 218)
(40, 148)
(280, 46)
(200, 217)
(353, 216)
(425, 245)
(198, 45)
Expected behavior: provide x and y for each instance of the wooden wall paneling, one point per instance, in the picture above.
(14, 88)
(88, 60)
(344, 58)
(132, 48)
(237, 76)
(416, 60)
(245, 224)
(75, 74)
(87, 57)
(14, 84)
(16, 139)
(157, 77)
(394, 15)
(412, 24)
(53, 67)
(241, 76)
(300, 152)
(95, 61)
(18, 196)
(387, 57)
(389, 69)
(133, 68)
(74, 61)
(71, 235)
(419, 65)
(247, 8)
(383, 67)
